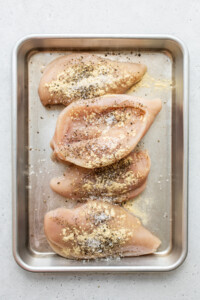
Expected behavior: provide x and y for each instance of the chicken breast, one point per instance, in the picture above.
(98, 132)
(97, 229)
(84, 75)
(115, 183)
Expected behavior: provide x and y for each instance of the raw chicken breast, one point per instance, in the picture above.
(115, 183)
(97, 229)
(98, 132)
(84, 75)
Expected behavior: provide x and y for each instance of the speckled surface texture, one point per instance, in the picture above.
(179, 18)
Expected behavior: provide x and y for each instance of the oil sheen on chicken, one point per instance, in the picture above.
(97, 229)
(115, 183)
(84, 76)
(98, 132)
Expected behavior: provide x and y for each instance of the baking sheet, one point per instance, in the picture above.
(154, 205)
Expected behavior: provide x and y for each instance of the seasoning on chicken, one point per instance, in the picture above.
(98, 132)
(84, 76)
(115, 183)
(97, 229)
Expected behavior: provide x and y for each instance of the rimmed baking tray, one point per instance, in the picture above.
(162, 207)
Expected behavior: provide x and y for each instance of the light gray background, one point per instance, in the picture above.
(178, 17)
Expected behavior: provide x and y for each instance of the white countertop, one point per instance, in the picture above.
(180, 18)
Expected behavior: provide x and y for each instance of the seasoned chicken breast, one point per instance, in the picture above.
(84, 75)
(115, 183)
(97, 229)
(98, 132)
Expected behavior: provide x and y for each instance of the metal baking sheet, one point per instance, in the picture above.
(162, 207)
